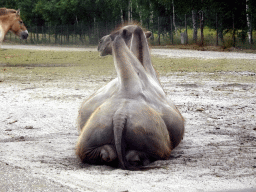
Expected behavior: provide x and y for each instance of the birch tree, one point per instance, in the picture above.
(202, 26)
(173, 16)
(139, 9)
(194, 21)
(249, 24)
(129, 11)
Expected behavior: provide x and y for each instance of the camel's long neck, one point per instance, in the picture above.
(124, 63)
(139, 47)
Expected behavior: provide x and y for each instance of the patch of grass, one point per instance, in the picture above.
(28, 65)
(53, 64)
(51, 58)
(166, 65)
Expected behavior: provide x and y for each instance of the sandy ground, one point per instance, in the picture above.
(38, 134)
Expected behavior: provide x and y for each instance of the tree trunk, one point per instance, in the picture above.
(151, 20)
(171, 33)
(249, 24)
(234, 32)
(158, 31)
(129, 11)
(173, 16)
(221, 31)
(186, 30)
(217, 30)
(122, 16)
(139, 11)
(131, 20)
(202, 28)
(194, 21)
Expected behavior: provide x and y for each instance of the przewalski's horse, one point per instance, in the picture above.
(10, 21)
(4, 11)
(130, 120)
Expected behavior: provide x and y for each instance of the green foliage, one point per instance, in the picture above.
(59, 12)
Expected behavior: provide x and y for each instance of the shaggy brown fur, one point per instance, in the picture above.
(10, 21)
(130, 121)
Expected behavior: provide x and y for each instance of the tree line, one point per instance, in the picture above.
(224, 15)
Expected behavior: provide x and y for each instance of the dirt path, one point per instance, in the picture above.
(38, 135)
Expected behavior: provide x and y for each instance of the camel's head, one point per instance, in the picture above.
(105, 44)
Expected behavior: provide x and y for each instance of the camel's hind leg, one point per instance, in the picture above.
(99, 155)
(96, 144)
(108, 153)
(136, 158)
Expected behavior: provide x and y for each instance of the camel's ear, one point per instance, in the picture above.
(18, 12)
(148, 34)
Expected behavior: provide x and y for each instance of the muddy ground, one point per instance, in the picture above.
(38, 135)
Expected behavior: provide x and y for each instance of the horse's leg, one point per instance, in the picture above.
(1, 40)
(2, 35)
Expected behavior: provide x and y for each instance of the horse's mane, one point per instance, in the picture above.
(5, 11)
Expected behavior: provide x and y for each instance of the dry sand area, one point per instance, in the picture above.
(218, 153)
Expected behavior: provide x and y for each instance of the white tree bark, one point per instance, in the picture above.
(202, 27)
(151, 16)
(249, 25)
(122, 16)
(173, 17)
(139, 10)
(151, 19)
(194, 21)
(129, 11)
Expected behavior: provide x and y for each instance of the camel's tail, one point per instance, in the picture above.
(119, 123)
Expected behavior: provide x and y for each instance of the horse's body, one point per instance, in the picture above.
(10, 21)
(129, 121)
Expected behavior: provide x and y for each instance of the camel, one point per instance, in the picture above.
(10, 21)
(105, 48)
(130, 121)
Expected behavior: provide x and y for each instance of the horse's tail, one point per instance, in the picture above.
(119, 125)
